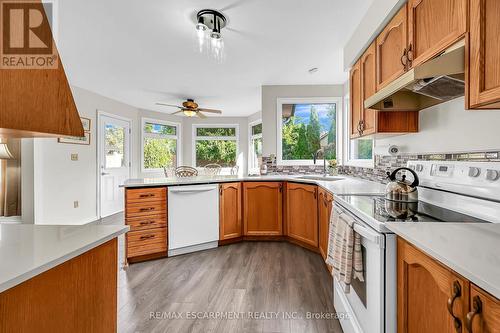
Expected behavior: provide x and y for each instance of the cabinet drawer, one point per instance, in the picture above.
(147, 194)
(146, 241)
(145, 249)
(146, 208)
(147, 222)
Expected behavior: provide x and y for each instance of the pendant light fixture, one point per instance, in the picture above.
(209, 25)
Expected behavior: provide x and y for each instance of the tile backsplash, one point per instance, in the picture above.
(382, 164)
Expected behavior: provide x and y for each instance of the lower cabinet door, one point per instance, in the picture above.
(230, 211)
(325, 202)
(484, 315)
(302, 213)
(431, 298)
(262, 208)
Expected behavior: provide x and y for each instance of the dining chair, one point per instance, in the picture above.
(212, 169)
(185, 171)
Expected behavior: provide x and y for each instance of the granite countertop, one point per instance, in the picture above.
(342, 184)
(27, 250)
(470, 249)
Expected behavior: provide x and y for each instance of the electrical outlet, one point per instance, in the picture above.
(75, 204)
(74, 157)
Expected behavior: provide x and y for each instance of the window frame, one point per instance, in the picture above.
(144, 135)
(195, 138)
(346, 145)
(251, 137)
(303, 100)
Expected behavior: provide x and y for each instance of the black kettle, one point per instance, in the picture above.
(401, 190)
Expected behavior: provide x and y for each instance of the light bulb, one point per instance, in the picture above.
(189, 113)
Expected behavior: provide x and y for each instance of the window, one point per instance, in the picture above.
(359, 151)
(215, 144)
(160, 144)
(114, 143)
(304, 127)
(255, 146)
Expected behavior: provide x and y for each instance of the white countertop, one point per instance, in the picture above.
(345, 184)
(470, 249)
(27, 250)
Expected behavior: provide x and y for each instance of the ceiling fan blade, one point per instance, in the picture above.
(165, 104)
(177, 112)
(200, 115)
(233, 5)
(210, 110)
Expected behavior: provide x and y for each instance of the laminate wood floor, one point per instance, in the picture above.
(245, 287)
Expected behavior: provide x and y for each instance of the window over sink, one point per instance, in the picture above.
(306, 125)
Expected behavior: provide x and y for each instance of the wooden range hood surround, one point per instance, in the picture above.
(37, 102)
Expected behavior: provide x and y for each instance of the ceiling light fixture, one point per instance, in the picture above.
(189, 113)
(209, 25)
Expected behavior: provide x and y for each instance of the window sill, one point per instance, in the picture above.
(369, 164)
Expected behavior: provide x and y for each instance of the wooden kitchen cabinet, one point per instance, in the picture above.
(37, 102)
(146, 214)
(355, 100)
(425, 287)
(368, 88)
(391, 50)
(262, 208)
(230, 211)
(483, 88)
(484, 314)
(302, 213)
(433, 26)
(325, 203)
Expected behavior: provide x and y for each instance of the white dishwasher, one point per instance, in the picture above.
(193, 218)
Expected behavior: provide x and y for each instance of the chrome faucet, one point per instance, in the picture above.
(323, 150)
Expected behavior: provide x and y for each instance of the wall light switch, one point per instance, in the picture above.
(74, 157)
(75, 204)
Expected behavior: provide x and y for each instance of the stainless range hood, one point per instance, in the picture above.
(436, 81)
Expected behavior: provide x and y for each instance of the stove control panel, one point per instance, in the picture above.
(481, 179)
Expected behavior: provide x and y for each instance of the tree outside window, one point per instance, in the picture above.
(160, 144)
(215, 145)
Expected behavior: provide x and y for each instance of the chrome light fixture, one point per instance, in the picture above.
(209, 25)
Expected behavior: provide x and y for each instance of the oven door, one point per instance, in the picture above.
(363, 307)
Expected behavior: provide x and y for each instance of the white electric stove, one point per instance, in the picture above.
(449, 192)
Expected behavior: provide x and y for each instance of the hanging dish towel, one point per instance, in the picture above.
(344, 249)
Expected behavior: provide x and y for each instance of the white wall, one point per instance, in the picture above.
(449, 128)
(58, 181)
(378, 15)
(187, 138)
(270, 94)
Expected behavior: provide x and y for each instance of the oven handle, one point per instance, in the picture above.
(366, 233)
(363, 231)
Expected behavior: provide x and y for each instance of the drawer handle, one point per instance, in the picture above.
(147, 222)
(147, 209)
(146, 195)
(457, 293)
(147, 237)
(477, 308)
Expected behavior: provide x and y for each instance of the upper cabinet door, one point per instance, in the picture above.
(391, 50)
(355, 100)
(434, 25)
(484, 48)
(368, 88)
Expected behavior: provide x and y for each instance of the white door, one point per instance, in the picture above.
(114, 163)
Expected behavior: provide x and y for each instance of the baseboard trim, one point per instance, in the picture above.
(193, 248)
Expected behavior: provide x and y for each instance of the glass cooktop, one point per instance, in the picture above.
(384, 210)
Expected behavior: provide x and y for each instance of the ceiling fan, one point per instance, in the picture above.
(190, 109)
